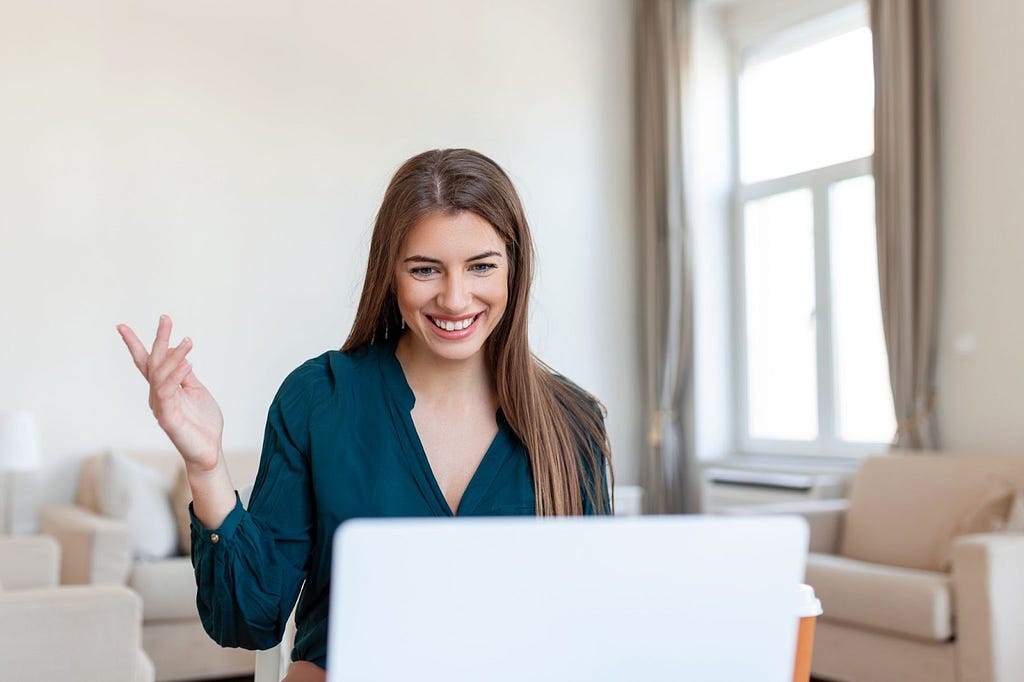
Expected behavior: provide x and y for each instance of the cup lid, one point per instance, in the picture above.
(807, 604)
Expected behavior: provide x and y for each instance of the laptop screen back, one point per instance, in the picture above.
(588, 599)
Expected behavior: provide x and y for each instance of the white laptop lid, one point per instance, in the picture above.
(588, 599)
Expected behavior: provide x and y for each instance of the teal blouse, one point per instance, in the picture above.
(339, 444)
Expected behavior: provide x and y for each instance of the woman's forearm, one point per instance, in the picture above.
(213, 494)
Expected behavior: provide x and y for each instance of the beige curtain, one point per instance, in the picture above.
(669, 471)
(905, 194)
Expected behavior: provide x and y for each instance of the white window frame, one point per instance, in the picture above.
(779, 40)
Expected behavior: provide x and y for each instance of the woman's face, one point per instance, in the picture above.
(451, 282)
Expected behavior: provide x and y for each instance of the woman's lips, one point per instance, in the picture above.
(457, 331)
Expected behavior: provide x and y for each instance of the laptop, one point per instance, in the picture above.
(595, 599)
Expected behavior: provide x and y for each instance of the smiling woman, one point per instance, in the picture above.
(462, 204)
(434, 406)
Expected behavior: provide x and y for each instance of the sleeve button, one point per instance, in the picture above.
(214, 538)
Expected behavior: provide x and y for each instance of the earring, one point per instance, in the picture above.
(385, 330)
(403, 324)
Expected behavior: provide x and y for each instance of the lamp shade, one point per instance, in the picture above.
(19, 442)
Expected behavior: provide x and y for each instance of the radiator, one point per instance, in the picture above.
(728, 487)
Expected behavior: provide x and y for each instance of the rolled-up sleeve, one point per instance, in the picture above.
(249, 570)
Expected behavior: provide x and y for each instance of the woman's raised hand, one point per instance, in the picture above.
(183, 407)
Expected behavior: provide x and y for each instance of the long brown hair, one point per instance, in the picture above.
(561, 426)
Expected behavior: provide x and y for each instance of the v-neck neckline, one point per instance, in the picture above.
(404, 400)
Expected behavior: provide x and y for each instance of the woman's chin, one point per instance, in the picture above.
(463, 353)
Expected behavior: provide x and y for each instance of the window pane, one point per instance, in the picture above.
(808, 108)
(864, 410)
(781, 367)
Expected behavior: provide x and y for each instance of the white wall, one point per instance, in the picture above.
(222, 162)
(980, 401)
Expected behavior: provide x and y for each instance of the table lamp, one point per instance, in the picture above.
(19, 451)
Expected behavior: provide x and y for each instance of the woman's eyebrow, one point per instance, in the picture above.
(428, 259)
(485, 254)
(422, 259)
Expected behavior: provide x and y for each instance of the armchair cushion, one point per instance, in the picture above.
(991, 513)
(906, 510)
(904, 601)
(167, 588)
(138, 495)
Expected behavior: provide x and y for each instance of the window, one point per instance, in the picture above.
(812, 375)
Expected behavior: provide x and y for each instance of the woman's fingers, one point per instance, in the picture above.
(178, 375)
(140, 356)
(165, 369)
(159, 372)
(166, 389)
(163, 334)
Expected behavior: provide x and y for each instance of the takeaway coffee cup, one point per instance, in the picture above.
(808, 609)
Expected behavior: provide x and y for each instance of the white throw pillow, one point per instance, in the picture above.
(138, 495)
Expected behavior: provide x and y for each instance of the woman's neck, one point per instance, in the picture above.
(439, 381)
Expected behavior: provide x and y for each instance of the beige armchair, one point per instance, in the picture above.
(99, 548)
(914, 583)
(64, 633)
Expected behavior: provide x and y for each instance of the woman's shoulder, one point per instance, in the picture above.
(330, 371)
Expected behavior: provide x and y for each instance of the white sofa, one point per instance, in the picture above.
(64, 633)
(920, 573)
(99, 549)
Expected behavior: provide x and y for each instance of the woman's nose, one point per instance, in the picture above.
(454, 298)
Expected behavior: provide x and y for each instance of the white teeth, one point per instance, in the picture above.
(450, 326)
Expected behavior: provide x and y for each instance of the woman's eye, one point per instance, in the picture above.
(483, 267)
(424, 271)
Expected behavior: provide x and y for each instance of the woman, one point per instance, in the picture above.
(434, 406)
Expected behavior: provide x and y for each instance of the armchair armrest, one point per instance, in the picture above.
(94, 549)
(72, 633)
(28, 562)
(824, 519)
(989, 591)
